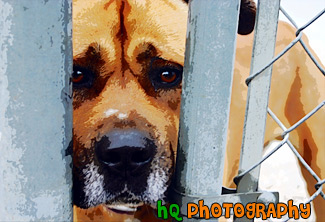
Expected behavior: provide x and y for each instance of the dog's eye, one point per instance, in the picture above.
(82, 77)
(165, 74)
(77, 76)
(168, 76)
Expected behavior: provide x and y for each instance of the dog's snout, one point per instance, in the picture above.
(125, 151)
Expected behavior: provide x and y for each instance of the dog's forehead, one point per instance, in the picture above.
(161, 24)
(89, 18)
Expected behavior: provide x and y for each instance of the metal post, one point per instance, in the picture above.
(35, 110)
(258, 94)
(209, 60)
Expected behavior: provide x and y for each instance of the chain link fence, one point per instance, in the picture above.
(286, 130)
(202, 143)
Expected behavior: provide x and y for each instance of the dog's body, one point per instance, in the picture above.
(128, 58)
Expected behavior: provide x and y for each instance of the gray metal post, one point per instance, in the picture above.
(258, 94)
(209, 60)
(35, 110)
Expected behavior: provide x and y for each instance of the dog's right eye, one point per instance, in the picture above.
(82, 77)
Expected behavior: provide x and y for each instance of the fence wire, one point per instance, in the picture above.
(319, 182)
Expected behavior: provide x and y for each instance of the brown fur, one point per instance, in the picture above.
(115, 38)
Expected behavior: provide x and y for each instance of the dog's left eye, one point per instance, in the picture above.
(82, 77)
(166, 77)
(165, 74)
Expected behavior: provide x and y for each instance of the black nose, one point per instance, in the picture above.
(125, 151)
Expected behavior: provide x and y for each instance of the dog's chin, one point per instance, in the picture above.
(123, 208)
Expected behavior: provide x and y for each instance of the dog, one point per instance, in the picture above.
(128, 61)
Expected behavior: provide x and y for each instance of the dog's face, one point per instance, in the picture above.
(128, 62)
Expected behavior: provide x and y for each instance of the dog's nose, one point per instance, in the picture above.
(125, 151)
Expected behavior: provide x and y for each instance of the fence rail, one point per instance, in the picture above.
(35, 110)
(201, 149)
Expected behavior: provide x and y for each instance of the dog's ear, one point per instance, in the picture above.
(246, 16)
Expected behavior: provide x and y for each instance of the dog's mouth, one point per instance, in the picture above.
(124, 209)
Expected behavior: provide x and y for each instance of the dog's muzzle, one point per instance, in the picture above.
(124, 171)
(125, 152)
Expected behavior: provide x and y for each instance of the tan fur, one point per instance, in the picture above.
(297, 87)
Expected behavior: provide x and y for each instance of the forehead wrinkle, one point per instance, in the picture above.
(101, 44)
(87, 47)
(142, 49)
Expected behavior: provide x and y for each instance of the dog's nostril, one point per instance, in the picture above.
(141, 156)
(113, 158)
